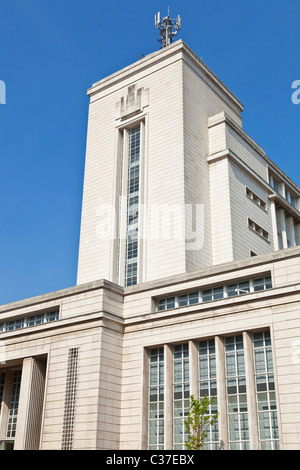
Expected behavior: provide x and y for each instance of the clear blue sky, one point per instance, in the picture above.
(51, 53)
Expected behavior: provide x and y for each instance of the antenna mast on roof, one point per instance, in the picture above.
(168, 28)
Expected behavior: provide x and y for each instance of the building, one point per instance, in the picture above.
(188, 280)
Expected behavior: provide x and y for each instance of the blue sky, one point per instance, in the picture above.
(51, 53)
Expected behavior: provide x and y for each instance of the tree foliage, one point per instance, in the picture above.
(198, 422)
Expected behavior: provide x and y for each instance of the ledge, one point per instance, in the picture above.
(219, 269)
(157, 57)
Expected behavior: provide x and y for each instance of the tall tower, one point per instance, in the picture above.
(172, 183)
(146, 170)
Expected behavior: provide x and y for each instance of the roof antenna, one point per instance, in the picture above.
(168, 28)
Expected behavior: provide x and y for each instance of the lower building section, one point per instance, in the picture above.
(102, 367)
(22, 400)
(236, 371)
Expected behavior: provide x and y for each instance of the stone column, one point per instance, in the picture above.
(145, 406)
(193, 364)
(31, 403)
(274, 225)
(221, 393)
(297, 233)
(168, 389)
(291, 230)
(251, 392)
(283, 227)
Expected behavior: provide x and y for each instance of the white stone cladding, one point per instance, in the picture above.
(193, 151)
(178, 94)
(113, 328)
(195, 154)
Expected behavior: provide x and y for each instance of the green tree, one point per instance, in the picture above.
(198, 422)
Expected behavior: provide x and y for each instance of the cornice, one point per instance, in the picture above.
(177, 48)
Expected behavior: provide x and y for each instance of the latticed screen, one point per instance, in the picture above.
(70, 399)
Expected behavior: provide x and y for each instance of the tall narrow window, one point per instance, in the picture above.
(133, 200)
(287, 230)
(297, 233)
(208, 386)
(156, 399)
(70, 399)
(265, 391)
(279, 229)
(14, 405)
(236, 394)
(181, 393)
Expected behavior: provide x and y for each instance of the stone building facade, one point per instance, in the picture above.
(188, 281)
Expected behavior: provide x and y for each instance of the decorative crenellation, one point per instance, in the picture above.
(133, 102)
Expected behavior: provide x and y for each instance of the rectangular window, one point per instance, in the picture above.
(212, 294)
(291, 199)
(165, 304)
(133, 201)
(238, 289)
(265, 391)
(236, 394)
(52, 316)
(188, 299)
(235, 414)
(156, 400)
(181, 393)
(36, 320)
(262, 283)
(257, 229)
(231, 290)
(275, 184)
(29, 321)
(256, 199)
(208, 386)
(14, 405)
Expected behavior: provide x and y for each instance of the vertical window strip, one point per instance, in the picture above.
(208, 386)
(279, 229)
(265, 391)
(70, 399)
(181, 394)
(156, 400)
(132, 218)
(236, 394)
(2, 382)
(287, 230)
(14, 405)
(120, 184)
